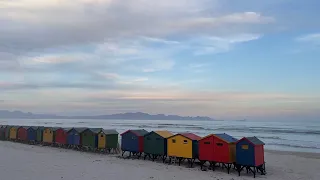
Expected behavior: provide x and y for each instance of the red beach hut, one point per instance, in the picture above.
(61, 136)
(23, 134)
(218, 148)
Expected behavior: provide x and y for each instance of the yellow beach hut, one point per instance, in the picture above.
(13, 132)
(183, 146)
(47, 135)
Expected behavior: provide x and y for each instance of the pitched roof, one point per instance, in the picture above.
(95, 130)
(140, 132)
(164, 134)
(26, 127)
(137, 132)
(67, 129)
(254, 140)
(55, 128)
(227, 138)
(191, 136)
(109, 131)
(79, 129)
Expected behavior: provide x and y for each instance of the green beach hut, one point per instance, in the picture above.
(7, 133)
(39, 138)
(155, 144)
(89, 138)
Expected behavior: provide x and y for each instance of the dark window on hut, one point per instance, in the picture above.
(185, 142)
(219, 144)
(173, 141)
(50, 132)
(206, 142)
(101, 135)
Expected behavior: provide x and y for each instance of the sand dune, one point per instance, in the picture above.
(26, 162)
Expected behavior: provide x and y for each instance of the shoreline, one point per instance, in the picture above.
(32, 162)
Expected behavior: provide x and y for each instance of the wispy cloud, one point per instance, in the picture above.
(310, 38)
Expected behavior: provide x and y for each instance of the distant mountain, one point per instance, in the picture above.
(4, 114)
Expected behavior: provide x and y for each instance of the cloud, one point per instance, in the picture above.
(214, 44)
(310, 38)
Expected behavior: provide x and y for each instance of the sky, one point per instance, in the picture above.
(226, 59)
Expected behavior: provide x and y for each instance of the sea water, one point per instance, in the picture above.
(277, 135)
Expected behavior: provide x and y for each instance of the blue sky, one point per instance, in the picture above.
(224, 59)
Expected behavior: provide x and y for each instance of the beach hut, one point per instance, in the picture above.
(7, 133)
(89, 138)
(74, 137)
(32, 134)
(39, 138)
(218, 148)
(48, 135)
(155, 144)
(61, 135)
(3, 132)
(23, 133)
(183, 146)
(108, 139)
(13, 132)
(132, 142)
(250, 155)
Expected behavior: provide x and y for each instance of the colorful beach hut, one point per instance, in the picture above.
(183, 146)
(250, 155)
(132, 142)
(48, 135)
(3, 132)
(218, 148)
(13, 132)
(32, 134)
(155, 144)
(7, 133)
(61, 135)
(108, 139)
(74, 137)
(89, 138)
(23, 133)
(39, 138)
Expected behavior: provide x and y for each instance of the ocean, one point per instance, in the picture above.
(277, 135)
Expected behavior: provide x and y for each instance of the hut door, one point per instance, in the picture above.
(101, 141)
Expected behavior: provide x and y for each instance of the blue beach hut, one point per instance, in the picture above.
(32, 134)
(74, 138)
(133, 141)
(250, 155)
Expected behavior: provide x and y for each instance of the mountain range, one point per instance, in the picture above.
(4, 114)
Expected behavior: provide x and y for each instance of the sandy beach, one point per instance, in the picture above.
(27, 162)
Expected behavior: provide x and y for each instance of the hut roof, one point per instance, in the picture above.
(14, 127)
(35, 127)
(79, 129)
(95, 130)
(138, 132)
(164, 134)
(67, 129)
(109, 131)
(254, 140)
(26, 127)
(227, 138)
(55, 128)
(191, 136)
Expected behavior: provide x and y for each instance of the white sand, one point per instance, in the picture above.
(26, 162)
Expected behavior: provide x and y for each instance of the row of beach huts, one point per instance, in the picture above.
(214, 150)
